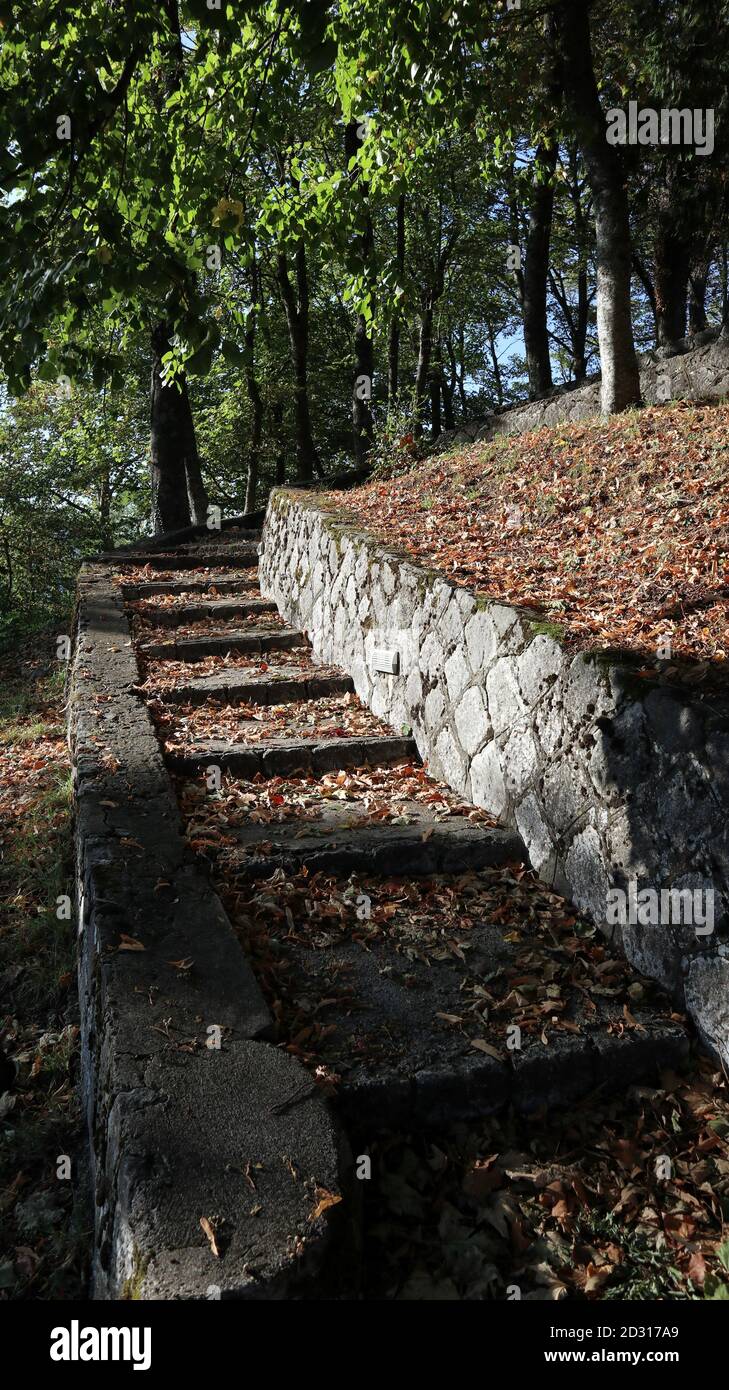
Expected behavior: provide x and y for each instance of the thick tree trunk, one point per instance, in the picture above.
(618, 361)
(536, 272)
(296, 309)
(172, 440)
(670, 280)
(393, 341)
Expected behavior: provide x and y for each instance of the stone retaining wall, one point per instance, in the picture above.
(695, 369)
(611, 779)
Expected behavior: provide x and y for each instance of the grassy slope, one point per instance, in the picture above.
(43, 1243)
(617, 531)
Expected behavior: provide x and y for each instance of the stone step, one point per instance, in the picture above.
(245, 558)
(409, 990)
(284, 757)
(277, 686)
(424, 847)
(439, 1091)
(194, 648)
(221, 540)
(174, 615)
(152, 587)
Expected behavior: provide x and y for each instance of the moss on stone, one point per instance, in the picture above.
(547, 629)
(133, 1286)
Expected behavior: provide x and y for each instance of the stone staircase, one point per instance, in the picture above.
(404, 990)
(412, 964)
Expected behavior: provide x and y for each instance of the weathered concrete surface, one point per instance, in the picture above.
(243, 557)
(404, 1059)
(151, 588)
(342, 840)
(195, 648)
(277, 686)
(281, 757)
(173, 615)
(161, 977)
(610, 779)
(696, 369)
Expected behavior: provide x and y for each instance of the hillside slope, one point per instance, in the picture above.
(617, 532)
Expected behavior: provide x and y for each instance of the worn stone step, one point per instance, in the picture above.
(152, 587)
(409, 990)
(463, 1089)
(174, 615)
(233, 536)
(276, 687)
(243, 558)
(194, 648)
(422, 848)
(282, 757)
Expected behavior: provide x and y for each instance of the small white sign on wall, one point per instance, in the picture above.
(386, 659)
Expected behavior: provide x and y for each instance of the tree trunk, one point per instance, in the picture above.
(172, 431)
(362, 423)
(579, 334)
(672, 256)
(496, 368)
(619, 364)
(447, 391)
(434, 390)
(698, 281)
(254, 394)
(536, 273)
(105, 531)
(278, 414)
(393, 342)
(296, 309)
(422, 371)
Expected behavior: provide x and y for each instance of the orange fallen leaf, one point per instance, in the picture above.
(325, 1200)
(210, 1233)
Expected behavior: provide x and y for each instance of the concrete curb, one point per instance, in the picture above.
(184, 1097)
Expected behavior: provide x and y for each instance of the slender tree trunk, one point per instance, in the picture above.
(363, 432)
(579, 323)
(278, 414)
(171, 434)
(362, 422)
(393, 342)
(463, 398)
(579, 335)
(618, 361)
(496, 368)
(539, 232)
(422, 371)
(447, 392)
(105, 532)
(698, 281)
(254, 396)
(296, 309)
(434, 391)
